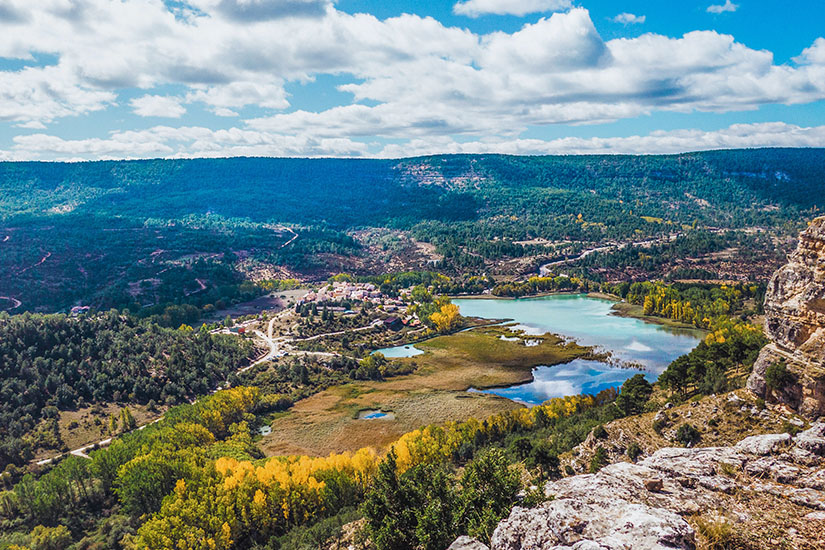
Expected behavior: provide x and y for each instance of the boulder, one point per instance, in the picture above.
(467, 543)
(612, 524)
(763, 444)
(642, 505)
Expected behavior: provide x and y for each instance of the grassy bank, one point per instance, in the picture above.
(436, 392)
(625, 309)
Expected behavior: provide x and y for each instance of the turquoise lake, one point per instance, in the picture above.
(399, 351)
(588, 321)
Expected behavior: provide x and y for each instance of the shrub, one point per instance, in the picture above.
(660, 423)
(599, 432)
(727, 469)
(634, 451)
(688, 435)
(778, 377)
(718, 531)
(599, 460)
(789, 428)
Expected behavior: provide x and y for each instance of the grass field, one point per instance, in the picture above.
(436, 392)
(91, 424)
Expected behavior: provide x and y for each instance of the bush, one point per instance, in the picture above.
(688, 435)
(660, 423)
(778, 377)
(599, 432)
(599, 460)
(634, 451)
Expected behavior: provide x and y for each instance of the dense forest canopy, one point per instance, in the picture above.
(50, 363)
(349, 193)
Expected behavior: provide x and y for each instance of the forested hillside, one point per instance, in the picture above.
(53, 363)
(139, 234)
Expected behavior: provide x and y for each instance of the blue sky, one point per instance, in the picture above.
(92, 79)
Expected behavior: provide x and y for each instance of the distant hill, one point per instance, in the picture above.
(346, 193)
(138, 233)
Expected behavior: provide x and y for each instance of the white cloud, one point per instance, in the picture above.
(405, 77)
(728, 6)
(814, 55)
(476, 8)
(158, 106)
(769, 134)
(224, 98)
(629, 19)
(170, 142)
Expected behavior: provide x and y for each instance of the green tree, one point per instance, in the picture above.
(778, 377)
(635, 392)
(390, 519)
(488, 491)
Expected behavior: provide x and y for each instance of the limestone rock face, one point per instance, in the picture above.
(795, 324)
(642, 506)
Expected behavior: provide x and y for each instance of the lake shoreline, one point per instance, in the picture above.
(621, 308)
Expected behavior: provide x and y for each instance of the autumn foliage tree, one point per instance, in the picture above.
(446, 319)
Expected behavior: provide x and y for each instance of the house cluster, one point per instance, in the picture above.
(362, 292)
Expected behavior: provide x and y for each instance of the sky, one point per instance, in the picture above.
(111, 79)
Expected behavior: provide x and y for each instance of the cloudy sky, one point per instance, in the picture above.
(93, 79)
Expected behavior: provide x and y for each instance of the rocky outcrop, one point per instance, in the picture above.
(644, 506)
(467, 543)
(795, 324)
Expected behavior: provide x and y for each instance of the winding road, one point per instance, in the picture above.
(15, 302)
(545, 269)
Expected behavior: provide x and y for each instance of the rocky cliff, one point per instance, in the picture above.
(659, 503)
(795, 324)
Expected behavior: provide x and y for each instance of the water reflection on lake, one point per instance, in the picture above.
(589, 322)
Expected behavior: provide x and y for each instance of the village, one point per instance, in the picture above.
(307, 322)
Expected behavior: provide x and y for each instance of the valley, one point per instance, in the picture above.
(164, 356)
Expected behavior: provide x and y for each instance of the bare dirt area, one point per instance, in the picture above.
(328, 422)
(388, 250)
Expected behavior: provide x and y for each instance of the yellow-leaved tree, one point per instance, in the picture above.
(447, 318)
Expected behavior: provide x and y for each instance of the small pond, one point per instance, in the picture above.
(399, 351)
(376, 415)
